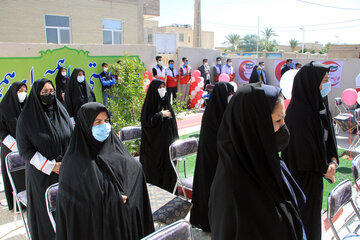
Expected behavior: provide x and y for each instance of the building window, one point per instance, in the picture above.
(150, 38)
(189, 39)
(181, 37)
(112, 31)
(57, 29)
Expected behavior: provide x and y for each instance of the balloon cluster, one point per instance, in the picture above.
(224, 77)
(350, 96)
(196, 89)
(148, 77)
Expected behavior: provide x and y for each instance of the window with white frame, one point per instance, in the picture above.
(181, 37)
(150, 38)
(112, 31)
(57, 29)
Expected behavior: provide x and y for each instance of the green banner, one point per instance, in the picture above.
(29, 69)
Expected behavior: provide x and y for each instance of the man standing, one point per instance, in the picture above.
(287, 66)
(229, 69)
(205, 72)
(217, 69)
(185, 77)
(107, 81)
(172, 77)
(159, 71)
(298, 66)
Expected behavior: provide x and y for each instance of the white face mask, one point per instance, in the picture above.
(219, 62)
(230, 63)
(106, 69)
(160, 63)
(63, 73)
(21, 96)
(162, 92)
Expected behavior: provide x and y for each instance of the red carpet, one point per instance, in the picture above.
(188, 122)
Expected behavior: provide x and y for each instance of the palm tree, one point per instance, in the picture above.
(268, 33)
(233, 40)
(293, 43)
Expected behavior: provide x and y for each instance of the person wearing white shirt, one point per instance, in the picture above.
(228, 69)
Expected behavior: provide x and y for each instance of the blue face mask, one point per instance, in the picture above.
(291, 65)
(258, 72)
(326, 88)
(187, 63)
(80, 79)
(101, 132)
(172, 65)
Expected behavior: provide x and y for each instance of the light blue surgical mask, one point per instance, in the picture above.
(291, 65)
(326, 88)
(101, 132)
(172, 65)
(187, 63)
(80, 79)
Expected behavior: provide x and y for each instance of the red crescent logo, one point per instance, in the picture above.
(278, 70)
(334, 79)
(242, 69)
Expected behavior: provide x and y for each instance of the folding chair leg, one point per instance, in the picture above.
(23, 218)
(14, 206)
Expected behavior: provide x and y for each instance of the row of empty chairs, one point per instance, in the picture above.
(341, 196)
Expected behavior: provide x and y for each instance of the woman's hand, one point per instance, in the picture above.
(330, 174)
(124, 198)
(166, 113)
(56, 168)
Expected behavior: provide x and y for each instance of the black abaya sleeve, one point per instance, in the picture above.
(3, 130)
(25, 147)
(68, 103)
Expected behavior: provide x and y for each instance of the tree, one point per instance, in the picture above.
(250, 42)
(266, 42)
(268, 33)
(325, 49)
(232, 41)
(128, 92)
(293, 44)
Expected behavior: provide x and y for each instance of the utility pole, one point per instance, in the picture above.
(258, 38)
(303, 42)
(140, 21)
(197, 24)
(338, 38)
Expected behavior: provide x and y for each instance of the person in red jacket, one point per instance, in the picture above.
(172, 77)
(185, 77)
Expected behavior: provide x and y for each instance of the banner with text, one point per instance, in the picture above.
(335, 73)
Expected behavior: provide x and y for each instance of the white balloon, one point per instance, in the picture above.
(286, 82)
(193, 93)
(197, 89)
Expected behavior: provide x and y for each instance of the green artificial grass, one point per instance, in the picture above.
(343, 171)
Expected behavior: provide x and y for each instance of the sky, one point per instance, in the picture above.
(225, 17)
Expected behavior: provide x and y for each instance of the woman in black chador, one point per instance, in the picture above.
(253, 196)
(312, 151)
(78, 92)
(61, 81)
(10, 109)
(207, 155)
(43, 133)
(159, 130)
(102, 190)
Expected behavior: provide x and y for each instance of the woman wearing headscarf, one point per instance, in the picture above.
(10, 109)
(61, 81)
(312, 152)
(159, 131)
(43, 133)
(253, 196)
(207, 155)
(78, 92)
(102, 189)
(257, 74)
